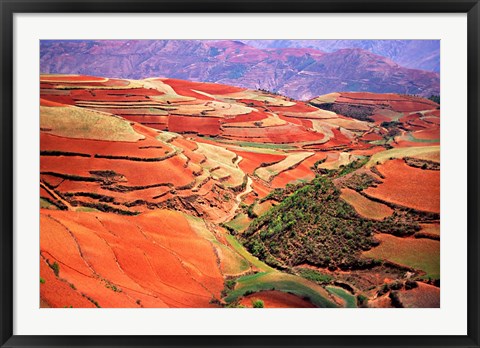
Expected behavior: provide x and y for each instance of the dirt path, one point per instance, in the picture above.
(56, 196)
(238, 199)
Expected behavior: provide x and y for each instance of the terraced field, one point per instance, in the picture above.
(148, 188)
(366, 207)
(421, 254)
(408, 186)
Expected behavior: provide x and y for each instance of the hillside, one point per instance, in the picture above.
(172, 193)
(299, 73)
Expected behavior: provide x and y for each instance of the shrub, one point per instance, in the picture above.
(56, 268)
(410, 284)
(435, 98)
(395, 299)
(257, 304)
(362, 300)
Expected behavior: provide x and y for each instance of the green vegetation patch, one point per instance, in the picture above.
(420, 152)
(312, 225)
(350, 300)
(315, 276)
(275, 281)
(239, 223)
(243, 252)
(44, 204)
(75, 122)
(411, 138)
(253, 144)
(417, 253)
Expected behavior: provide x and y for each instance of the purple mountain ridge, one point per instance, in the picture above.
(297, 72)
(414, 54)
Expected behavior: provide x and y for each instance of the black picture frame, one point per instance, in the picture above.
(7, 176)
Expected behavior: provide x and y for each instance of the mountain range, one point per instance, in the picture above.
(414, 54)
(292, 69)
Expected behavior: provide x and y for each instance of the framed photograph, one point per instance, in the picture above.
(213, 173)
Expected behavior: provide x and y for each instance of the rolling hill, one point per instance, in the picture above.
(161, 192)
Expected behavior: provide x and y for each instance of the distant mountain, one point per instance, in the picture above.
(415, 54)
(300, 73)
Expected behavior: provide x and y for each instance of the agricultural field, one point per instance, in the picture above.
(364, 206)
(162, 192)
(421, 254)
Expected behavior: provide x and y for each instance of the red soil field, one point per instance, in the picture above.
(148, 194)
(184, 143)
(57, 293)
(433, 113)
(371, 96)
(288, 133)
(52, 180)
(201, 125)
(187, 92)
(338, 139)
(145, 119)
(115, 82)
(251, 160)
(45, 102)
(146, 148)
(301, 172)
(298, 107)
(432, 119)
(405, 143)
(424, 296)
(368, 152)
(411, 117)
(152, 260)
(261, 189)
(415, 122)
(147, 131)
(249, 199)
(250, 117)
(46, 86)
(60, 99)
(252, 102)
(371, 137)
(70, 78)
(298, 121)
(408, 186)
(126, 91)
(114, 94)
(90, 81)
(409, 106)
(44, 193)
(139, 111)
(380, 118)
(163, 126)
(171, 170)
(210, 88)
(103, 96)
(306, 123)
(276, 299)
(399, 103)
(45, 90)
(429, 134)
